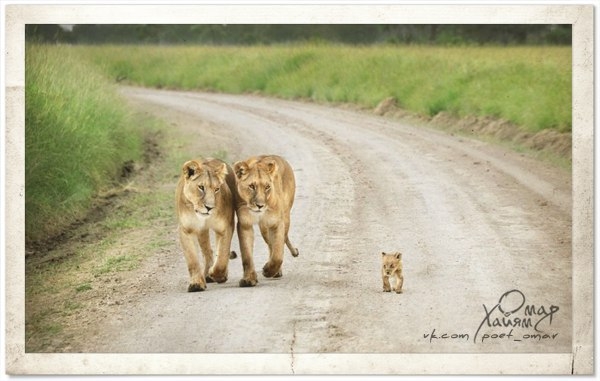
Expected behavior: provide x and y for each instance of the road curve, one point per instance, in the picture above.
(474, 222)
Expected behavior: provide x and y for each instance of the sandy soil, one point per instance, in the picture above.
(485, 233)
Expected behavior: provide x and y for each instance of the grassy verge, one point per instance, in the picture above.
(528, 86)
(78, 134)
(102, 266)
(114, 258)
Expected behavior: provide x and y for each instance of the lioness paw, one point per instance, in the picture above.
(220, 279)
(268, 273)
(271, 269)
(248, 282)
(219, 276)
(195, 287)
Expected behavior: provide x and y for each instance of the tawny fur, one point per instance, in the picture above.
(391, 267)
(205, 200)
(266, 188)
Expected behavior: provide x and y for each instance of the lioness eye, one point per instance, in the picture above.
(268, 188)
(201, 187)
(252, 186)
(217, 189)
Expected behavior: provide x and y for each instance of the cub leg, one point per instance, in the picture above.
(207, 252)
(386, 284)
(277, 237)
(219, 271)
(246, 238)
(197, 282)
(399, 283)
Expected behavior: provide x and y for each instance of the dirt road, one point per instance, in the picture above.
(485, 233)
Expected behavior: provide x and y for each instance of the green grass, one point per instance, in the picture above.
(118, 263)
(529, 86)
(78, 133)
(83, 287)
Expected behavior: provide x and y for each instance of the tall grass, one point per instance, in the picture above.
(78, 133)
(529, 86)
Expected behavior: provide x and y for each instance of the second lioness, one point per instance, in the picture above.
(266, 188)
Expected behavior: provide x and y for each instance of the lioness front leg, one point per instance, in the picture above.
(219, 271)
(197, 281)
(246, 238)
(207, 253)
(273, 266)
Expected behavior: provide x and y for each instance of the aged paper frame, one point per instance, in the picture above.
(579, 361)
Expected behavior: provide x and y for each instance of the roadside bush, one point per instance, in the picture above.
(78, 134)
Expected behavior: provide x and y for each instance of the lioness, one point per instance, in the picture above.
(205, 200)
(266, 188)
(392, 267)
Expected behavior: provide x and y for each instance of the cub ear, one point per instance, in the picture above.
(241, 169)
(190, 169)
(221, 172)
(383, 254)
(398, 255)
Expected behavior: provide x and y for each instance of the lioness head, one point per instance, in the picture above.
(203, 181)
(391, 262)
(255, 183)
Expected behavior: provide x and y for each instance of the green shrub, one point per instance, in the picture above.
(78, 134)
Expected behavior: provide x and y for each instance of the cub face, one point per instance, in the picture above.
(202, 184)
(391, 263)
(255, 183)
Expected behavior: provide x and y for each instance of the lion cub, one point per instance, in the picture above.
(392, 267)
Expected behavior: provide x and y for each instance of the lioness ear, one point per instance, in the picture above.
(240, 168)
(190, 169)
(271, 166)
(221, 172)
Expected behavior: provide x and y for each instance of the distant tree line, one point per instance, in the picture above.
(246, 34)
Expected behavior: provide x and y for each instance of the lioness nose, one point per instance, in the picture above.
(260, 206)
(209, 208)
